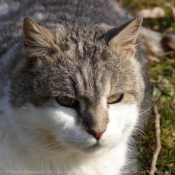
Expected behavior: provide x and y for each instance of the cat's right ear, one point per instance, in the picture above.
(122, 39)
(38, 40)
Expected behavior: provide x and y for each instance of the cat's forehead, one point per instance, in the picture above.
(85, 57)
(77, 31)
(75, 36)
(83, 70)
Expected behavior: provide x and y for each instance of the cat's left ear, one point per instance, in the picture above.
(38, 40)
(122, 39)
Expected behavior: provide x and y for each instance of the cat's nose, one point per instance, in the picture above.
(96, 134)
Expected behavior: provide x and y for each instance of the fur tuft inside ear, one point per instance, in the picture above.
(123, 38)
(38, 40)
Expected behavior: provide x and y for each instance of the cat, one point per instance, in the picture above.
(72, 88)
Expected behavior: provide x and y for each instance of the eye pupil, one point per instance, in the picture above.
(68, 102)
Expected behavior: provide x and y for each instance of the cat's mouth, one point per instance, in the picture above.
(95, 147)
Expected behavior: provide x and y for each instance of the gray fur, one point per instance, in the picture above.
(81, 63)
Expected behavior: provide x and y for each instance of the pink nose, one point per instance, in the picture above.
(96, 134)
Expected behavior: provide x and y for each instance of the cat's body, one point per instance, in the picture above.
(79, 57)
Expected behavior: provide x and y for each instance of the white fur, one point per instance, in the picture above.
(24, 144)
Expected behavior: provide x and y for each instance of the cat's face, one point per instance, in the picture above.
(75, 90)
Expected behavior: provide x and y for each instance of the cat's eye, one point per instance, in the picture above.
(67, 102)
(114, 98)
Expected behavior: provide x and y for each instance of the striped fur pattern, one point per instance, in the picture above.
(78, 51)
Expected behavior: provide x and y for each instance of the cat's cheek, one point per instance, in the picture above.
(67, 130)
(59, 123)
(122, 119)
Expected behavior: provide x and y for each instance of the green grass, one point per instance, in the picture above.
(162, 77)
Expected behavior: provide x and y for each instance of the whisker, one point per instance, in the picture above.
(33, 137)
(33, 147)
(43, 145)
(59, 151)
(20, 149)
(62, 149)
(139, 131)
(151, 105)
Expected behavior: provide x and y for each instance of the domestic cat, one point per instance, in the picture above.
(72, 89)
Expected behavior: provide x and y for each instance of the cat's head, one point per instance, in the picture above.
(76, 87)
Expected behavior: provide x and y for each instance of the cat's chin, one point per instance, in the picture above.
(96, 148)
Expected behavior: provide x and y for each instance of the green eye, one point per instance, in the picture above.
(67, 102)
(114, 98)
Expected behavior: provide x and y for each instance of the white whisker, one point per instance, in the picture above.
(33, 137)
(151, 105)
(62, 149)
